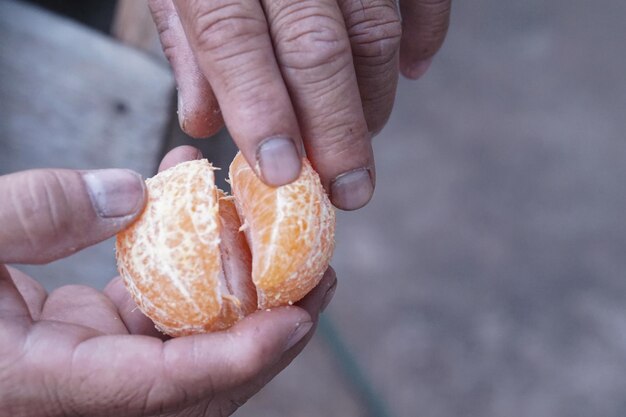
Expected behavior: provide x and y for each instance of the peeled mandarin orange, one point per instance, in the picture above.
(193, 267)
(290, 230)
(177, 258)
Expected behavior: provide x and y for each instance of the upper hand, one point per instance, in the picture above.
(290, 75)
(78, 351)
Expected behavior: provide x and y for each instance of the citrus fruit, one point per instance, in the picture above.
(290, 230)
(198, 260)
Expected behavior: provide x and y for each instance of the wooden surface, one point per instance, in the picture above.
(73, 98)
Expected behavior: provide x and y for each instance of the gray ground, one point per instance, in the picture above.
(486, 276)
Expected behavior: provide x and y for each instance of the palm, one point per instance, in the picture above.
(97, 345)
(78, 351)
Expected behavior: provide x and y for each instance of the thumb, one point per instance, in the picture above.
(49, 214)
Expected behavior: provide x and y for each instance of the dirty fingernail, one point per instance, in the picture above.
(298, 333)
(352, 190)
(328, 296)
(415, 70)
(115, 192)
(279, 161)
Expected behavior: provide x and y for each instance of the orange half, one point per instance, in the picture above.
(171, 259)
(290, 230)
(190, 268)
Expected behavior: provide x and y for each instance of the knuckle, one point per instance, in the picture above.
(343, 137)
(337, 153)
(375, 32)
(54, 202)
(308, 38)
(252, 357)
(227, 29)
(41, 201)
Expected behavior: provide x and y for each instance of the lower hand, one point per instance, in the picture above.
(84, 352)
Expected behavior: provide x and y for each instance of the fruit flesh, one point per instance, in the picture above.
(191, 270)
(289, 229)
(171, 258)
(159, 261)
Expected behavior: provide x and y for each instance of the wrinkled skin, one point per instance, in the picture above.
(320, 73)
(79, 351)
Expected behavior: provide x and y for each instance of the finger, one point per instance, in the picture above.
(199, 113)
(313, 50)
(180, 154)
(424, 27)
(49, 214)
(179, 372)
(134, 320)
(85, 306)
(12, 304)
(375, 30)
(319, 298)
(234, 51)
(31, 290)
(313, 303)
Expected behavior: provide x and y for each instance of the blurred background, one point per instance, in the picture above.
(486, 278)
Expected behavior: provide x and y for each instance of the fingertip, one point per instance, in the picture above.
(416, 69)
(240, 353)
(198, 111)
(53, 213)
(130, 314)
(278, 318)
(111, 289)
(200, 117)
(115, 193)
(319, 298)
(287, 325)
(178, 155)
(424, 28)
(352, 190)
(278, 161)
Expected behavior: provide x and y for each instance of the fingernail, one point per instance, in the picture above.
(352, 190)
(279, 161)
(115, 192)
(328, 296)
(416, 69)
(179, 111)
(298, 333)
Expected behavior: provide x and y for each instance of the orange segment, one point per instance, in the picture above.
(170, 258)
(290, 231)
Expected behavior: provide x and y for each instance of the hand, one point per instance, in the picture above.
(289, 75)
(78, 351)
